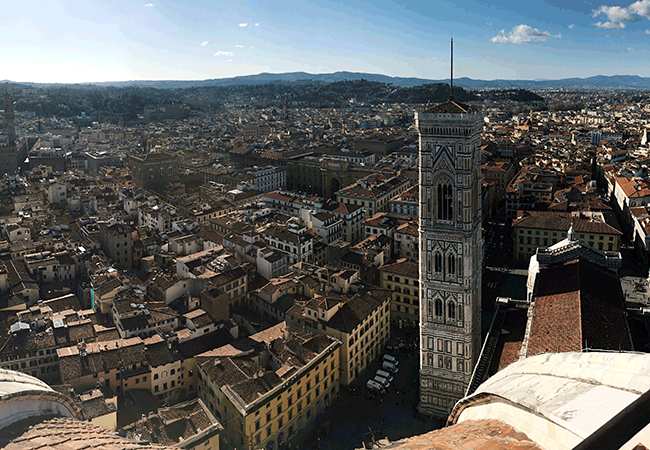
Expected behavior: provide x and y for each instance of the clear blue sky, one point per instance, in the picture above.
(97, 40)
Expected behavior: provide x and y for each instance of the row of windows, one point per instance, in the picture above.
(162, 172)
(414, 282)
(545, 242)
(437, 310)
(563, 234)
(446, 362)
(444, 266)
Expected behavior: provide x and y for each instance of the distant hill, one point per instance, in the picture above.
(595, 82)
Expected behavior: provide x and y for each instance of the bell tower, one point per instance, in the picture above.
(450, 251)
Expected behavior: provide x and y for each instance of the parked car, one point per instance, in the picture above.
(389, 367)
(376, 387)
(391, 359)
(384, 374)
(382, 381)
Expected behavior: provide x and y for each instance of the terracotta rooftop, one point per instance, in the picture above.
(66, 434)
(578, 305)
(472, 434)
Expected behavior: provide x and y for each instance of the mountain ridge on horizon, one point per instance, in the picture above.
(593, 82)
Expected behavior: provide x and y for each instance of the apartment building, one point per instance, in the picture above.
(266, 179)
(499, 172)
(374, 192)
(166, 369)
(31, 343)
(132, 318)
(406, 241)
(296, 242)
(402, 278)
(158, 217)
(359, 320)
(543, 229)
(119, 364)
(117, 243)
(407, 203)
(263, 394)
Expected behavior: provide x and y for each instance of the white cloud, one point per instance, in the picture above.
(243, 25)
(522, 34)
(148, 5)
(221, 53)
(618, 17)
(647, 31)
(257, 24)
(572, 26)
(204, 43)
(239, 46)
(630, 49)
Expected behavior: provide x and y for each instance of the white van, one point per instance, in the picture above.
(384, 374)
(383, 381)
(374, 386)
(389, 367)
(391, 359)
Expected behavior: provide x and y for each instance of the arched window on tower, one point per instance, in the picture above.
(438, 263)
(451, 264)
(451, 310)
(445, 202)
(438, 308)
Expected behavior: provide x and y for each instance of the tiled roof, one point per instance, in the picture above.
(173, 425)
(67, 434)
(578, 305)
(357, 309)
(241, 376)
(449, 107)
(158, 354)
(100, 357)
(486, 434)
(512, 335)
(405, 268)
(546, 222)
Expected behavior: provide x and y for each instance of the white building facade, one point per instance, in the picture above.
(450, 253)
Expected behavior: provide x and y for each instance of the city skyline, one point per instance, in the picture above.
(69, 41)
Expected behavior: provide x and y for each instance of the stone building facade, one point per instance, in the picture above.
(153, 170)
(450, 253)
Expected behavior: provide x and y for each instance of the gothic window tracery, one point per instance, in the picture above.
(438, 262)
(445, 202)
(451, 264)
(438, 304)
(451, 310)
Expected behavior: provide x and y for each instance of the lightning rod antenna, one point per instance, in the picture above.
(451, 78)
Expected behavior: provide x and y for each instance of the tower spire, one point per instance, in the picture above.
(451, 78)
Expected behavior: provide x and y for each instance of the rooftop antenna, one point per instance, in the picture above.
(451, 78)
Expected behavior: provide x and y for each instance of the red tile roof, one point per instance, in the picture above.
(578, 305)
